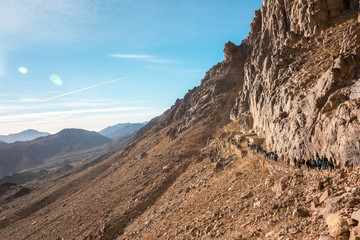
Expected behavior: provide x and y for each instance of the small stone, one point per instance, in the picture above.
(352, 222)
(300, 213)
(257, 204)
(324, 196)
(353, 202)
(326, 237)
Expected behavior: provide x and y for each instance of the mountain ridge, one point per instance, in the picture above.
(121, 130)
(19, 156)
(26, 135)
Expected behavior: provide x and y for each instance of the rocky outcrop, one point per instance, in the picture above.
(301, 79)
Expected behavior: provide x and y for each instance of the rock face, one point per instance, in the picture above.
(300, 84)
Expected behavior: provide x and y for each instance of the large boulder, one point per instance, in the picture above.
(355, 233)
(337, 225)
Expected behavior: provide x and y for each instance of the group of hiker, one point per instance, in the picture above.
(310, 163)
(267, 155)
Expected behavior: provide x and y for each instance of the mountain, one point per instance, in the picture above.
(121, 130)
(26, 135)
(19, 156)
(291, 86)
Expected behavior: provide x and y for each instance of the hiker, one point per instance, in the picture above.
(308, 163)
(275, 157)
(313, 163)
(331, 164)
(288, 161)
(295, 162)
(325, 162)
(319, 163)
(300, 163)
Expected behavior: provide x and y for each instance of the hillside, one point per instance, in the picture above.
(26, 135)
(121, 130)
(291, 85)
(19, 156)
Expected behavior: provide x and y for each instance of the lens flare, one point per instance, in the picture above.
(56, 79)
(23, 70)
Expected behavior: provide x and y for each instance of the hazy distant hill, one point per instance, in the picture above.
(24, 155)
(26, 135)
(122, 129)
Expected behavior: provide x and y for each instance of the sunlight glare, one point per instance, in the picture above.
(23, 70)
(56, 79)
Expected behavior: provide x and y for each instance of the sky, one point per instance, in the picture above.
(91, 64)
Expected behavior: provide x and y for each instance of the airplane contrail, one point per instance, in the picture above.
(86, 88)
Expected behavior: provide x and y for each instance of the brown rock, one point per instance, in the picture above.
(298, 212)
(356, 215)
(326, 237)
(332, 206)
(355, 233)
(324, 196)
(337, 225)
(353, 202)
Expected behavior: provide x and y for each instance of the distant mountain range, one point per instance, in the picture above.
(19, 156)
(121, 130)
(26, 135)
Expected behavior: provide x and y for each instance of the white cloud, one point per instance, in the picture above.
(55, 122)
(63, 114)
(37, 105)
(144, 57)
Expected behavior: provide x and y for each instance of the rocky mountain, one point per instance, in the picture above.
(19, 156)
(121, 130)
(301, 75)
(26, 135)
(291, 86)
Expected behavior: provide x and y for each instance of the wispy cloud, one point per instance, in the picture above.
(86, 88)
(144, 57)
(22, 105)
(86, 119)
(62, 114)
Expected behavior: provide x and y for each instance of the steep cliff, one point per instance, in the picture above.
(301, 79)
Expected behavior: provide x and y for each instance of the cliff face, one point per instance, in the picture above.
(301, 79)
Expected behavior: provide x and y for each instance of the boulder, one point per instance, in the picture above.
(337, 225)
(356, 215)
(355, 233)
(332, 206)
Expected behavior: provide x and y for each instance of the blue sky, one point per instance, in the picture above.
(90, 63)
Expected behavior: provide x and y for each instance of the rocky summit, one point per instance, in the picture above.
(291, 88)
